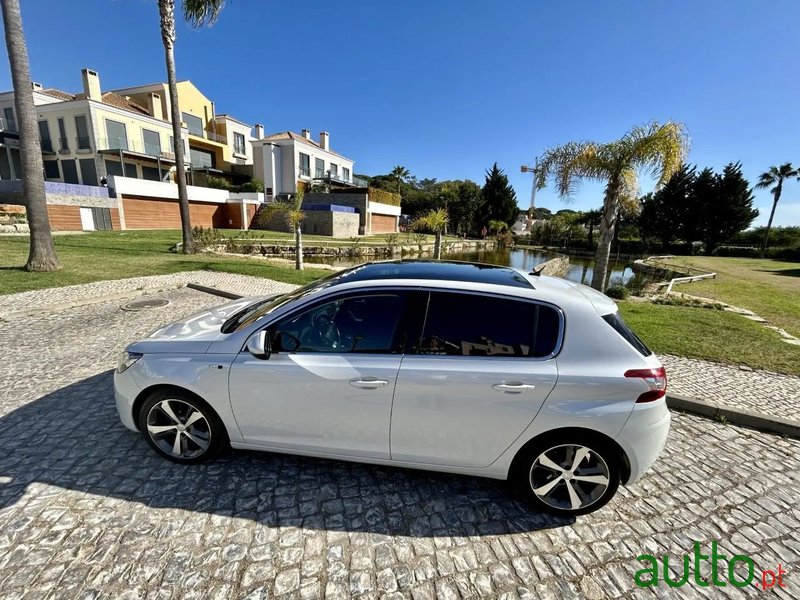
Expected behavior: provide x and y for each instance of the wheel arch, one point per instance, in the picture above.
(580, 434)
(166, 388)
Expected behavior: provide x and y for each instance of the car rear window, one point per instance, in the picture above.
(616, 322)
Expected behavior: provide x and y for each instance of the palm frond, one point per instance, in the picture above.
(202, 12)
(659, 148)
(566, 165)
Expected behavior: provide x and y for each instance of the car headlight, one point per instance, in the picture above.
(126, 359)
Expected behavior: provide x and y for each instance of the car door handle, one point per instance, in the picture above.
(513, 388)
(369, 383)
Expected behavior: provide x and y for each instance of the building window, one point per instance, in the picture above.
(117, 135)
(51, 170)
(193, 124)
(334, 170)
(11, 123)
(201, 159)
(238, 143)
(62, 136)
(44, 137)
(305, 165)
(83, 133)
(152, 142)
(319, 168)
(345, 174)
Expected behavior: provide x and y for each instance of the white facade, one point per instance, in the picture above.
(280, 162)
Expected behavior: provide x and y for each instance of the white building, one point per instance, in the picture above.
(283, 160)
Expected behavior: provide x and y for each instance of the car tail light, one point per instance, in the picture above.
(655, 378)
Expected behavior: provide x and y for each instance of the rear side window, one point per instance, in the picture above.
(615, 320)
(474, 325)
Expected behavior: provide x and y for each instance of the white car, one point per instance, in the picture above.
(455, 367)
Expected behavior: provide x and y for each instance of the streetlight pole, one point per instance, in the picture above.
(534, 169)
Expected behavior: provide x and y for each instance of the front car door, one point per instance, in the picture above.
(481, 372)
(327, 388)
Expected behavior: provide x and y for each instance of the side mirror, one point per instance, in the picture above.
(260, 345)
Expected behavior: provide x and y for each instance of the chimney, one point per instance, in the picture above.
(91, 84)
(36, 86)
(259, 131)
(154, 106)
(324, 140)
(306, 134)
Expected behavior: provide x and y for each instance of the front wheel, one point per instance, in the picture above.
(181, 427)
(568, 478)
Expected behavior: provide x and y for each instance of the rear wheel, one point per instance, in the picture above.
(568, 477)
(181, 427)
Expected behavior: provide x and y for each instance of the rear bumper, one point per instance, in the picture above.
(644, 435)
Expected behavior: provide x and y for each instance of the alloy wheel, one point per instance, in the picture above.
(178, 428)
(569, 477)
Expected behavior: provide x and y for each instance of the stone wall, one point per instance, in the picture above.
(354, 200)
(555, 267)
(332, 223)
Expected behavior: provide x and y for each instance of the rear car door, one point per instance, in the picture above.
(481, 371)
(328, 385)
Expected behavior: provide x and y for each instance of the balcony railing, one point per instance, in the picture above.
(128, 145)
(209, 135)
(84, 142)
(63, 144)
(47, 145)
(8, 125)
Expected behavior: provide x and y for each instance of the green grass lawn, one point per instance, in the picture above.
(708, 334)
(115, 255)
(770, 288)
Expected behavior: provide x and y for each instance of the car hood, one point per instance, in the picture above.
(193, 334)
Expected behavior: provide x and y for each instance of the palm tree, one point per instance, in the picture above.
(400, 173)
(657, 148)
(42, 252)
(774, 177)
(436, 221)
(591, 218)
(290, 211)
(198, 13)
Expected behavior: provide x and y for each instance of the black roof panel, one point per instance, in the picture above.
(436, 269)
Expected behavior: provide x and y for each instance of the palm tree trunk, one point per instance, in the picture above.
(769, 223)
(606, 234)
(437, 246)
(166, 10)
(298, 248)
(42, 252)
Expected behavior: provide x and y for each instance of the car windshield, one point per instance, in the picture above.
(249, 315)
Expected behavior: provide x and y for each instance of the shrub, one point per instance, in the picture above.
(251, 186)
(206, 238)
(790, 254)
(384, 197)
(217, 183)
(617, 291)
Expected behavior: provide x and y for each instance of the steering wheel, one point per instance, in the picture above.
(327, 330)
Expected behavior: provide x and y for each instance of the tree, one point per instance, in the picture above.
(463, 203)
(291, 211)
(668, 212)
(499, 198)
(658, 148)
(42, 252)
(198, 13)
(435, 221)
(774, 177)
(591, 219)
(728, 210)
(400, 174)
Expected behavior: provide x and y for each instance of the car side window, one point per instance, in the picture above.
(362, 324)
(476, 325)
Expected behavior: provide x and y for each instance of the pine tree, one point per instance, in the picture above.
(729, 210)
(669, 211)
(499, 198)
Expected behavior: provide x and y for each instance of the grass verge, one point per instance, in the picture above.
(710, 335)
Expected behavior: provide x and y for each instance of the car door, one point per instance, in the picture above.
(327, 386)
(479, 375)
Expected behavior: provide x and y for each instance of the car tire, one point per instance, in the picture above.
(567, 477)
(181, 427)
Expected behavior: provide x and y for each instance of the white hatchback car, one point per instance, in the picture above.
(456, 367)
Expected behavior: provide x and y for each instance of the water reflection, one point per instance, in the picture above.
(580, 268)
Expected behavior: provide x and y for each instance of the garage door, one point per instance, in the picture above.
(165, 214)
(382, 224)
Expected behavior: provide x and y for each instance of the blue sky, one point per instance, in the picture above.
(447, 88)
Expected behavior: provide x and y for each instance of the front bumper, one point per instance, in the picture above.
(125, 392)
(644, 435)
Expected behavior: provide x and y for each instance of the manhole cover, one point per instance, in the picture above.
(145, 304)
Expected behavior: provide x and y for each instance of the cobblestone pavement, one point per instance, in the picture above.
(87, 510)
(727, 385)
(88, 293)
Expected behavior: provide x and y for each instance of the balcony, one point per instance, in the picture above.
(84, 143)
(340, 178)
(9, 126)
(63, 145)
(47, 146)
(133, 147)
(209, 135)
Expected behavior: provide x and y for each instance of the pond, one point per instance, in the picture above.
(580, 268)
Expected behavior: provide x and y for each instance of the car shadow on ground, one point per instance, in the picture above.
(72, 439)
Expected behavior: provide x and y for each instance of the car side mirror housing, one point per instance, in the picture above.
(260, 345)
